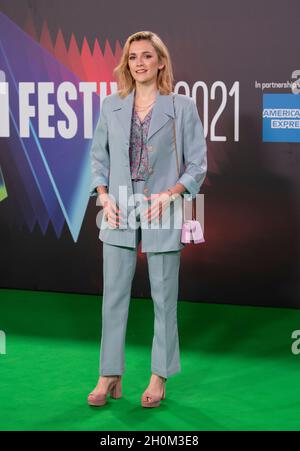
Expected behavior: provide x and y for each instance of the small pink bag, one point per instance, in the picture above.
(191, 231)
(191, 228)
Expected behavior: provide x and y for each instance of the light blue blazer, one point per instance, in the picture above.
(110, 164)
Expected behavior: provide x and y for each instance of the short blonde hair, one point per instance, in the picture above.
(165, 79)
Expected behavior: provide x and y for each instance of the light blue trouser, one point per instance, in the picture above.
(119, 264)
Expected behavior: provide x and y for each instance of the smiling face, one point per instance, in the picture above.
(143, 62)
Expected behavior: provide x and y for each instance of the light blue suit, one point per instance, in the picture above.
(111, 166)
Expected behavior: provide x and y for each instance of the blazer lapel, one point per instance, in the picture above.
(162, 111)
(123, 111)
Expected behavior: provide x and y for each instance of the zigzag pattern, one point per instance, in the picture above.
(49, 178)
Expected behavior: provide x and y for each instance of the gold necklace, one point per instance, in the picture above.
(137, 108)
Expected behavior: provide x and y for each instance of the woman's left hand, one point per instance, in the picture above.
(159, 203)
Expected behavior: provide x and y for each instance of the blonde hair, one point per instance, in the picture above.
(165, 79)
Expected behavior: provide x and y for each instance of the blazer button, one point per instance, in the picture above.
(150, 170)
(150, 148)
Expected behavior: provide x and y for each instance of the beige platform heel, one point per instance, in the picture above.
(154, 400)
(114, 389)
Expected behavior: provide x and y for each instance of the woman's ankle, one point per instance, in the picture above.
(158, 377)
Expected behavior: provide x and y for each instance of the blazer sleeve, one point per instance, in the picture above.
(194, 151)
(99, 153)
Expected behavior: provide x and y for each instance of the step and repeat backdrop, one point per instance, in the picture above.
(238, 60)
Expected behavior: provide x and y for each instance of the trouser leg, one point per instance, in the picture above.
(163, 270)
(119, 265)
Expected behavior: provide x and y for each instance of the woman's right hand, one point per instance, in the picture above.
(110, 210)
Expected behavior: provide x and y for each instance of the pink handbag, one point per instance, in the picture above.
(191, 228)
(191, 231)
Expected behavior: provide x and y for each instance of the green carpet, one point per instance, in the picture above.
(238, 371)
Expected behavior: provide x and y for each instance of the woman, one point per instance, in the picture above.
(133, 155)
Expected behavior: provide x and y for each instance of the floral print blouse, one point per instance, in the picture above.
(138, 149)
